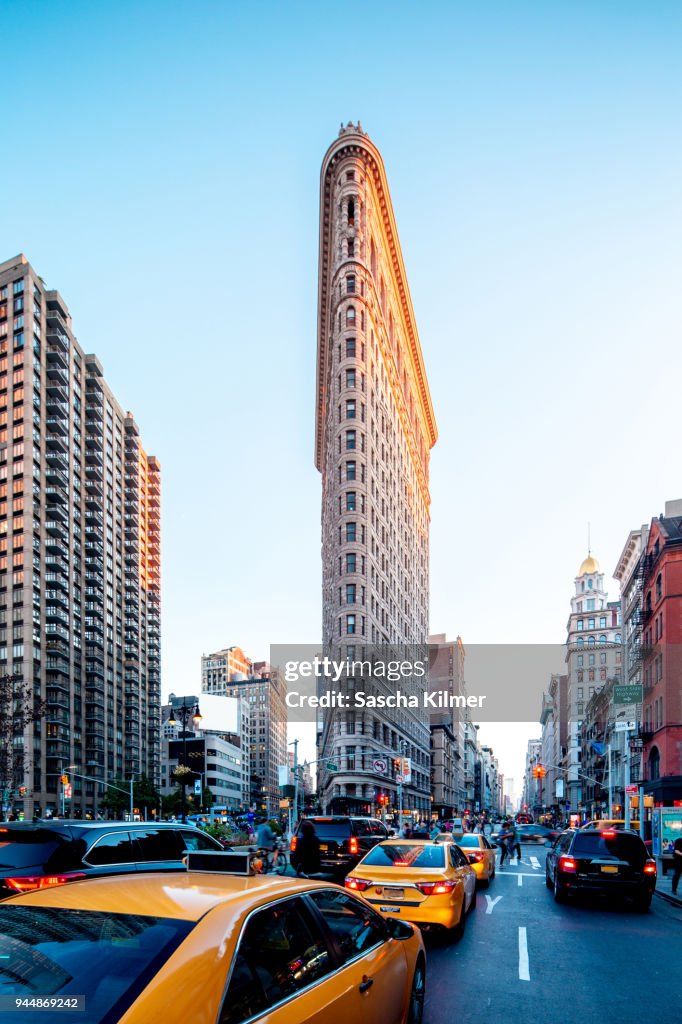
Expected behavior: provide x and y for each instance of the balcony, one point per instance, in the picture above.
(56, 337)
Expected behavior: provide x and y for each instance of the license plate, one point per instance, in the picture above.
(323, 847)
(393, 894)
(389, 910)
(609, 869)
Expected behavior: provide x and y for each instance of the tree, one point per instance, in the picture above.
(145, 796)
(19, 706)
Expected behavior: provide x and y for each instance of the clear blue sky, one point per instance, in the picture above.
(161, 169)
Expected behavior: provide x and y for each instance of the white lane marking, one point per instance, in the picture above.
(524, 967)
(520, 880)
(535, 863)
(515, 874)
(491, 903)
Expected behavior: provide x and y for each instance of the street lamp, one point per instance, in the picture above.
(185, 712)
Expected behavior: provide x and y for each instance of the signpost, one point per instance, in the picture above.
(379, 765)
(331, 767)
(628, 694)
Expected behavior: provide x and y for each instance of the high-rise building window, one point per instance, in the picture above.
(350, 409)
(351, 532)
(351, 212)
(350, 284)
(602, 622)
(350, 440)
(350, 501)
(351, 562)
(350, 383)
(351, 470)
(351, 247)
(350, 348)
(350, 593)
(579, 624)
(350, 624)
(350, 317)
(590, 623)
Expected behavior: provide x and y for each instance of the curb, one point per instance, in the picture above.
(669, 898)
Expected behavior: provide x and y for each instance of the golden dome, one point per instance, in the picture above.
(589, 565)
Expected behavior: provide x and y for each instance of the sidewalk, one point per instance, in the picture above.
(664, 887)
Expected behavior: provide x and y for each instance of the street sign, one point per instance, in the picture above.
(379, 765)
(630, 694)
(626, 726)
(406, 769)
(197, 787)
(632, 789)
(331, 767)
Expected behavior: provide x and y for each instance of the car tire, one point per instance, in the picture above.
(415, 1012)
(458, 930)
(559, 891)
(643, 904)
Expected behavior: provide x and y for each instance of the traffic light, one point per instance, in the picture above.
(22, 790)
(539, 771)
(397, 765)
(65, 780)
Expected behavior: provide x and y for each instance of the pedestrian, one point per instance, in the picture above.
(266, 841)
(514, 845)
(503, 840)
(677, 863)
(307, 850)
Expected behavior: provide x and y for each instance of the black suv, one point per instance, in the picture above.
(35, 854)
(603, 861)
(343, 841)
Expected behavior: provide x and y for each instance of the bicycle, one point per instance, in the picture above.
(264, 860)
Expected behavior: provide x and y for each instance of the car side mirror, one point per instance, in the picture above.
(399, 929)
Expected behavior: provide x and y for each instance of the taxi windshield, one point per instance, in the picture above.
(406, 855)
(104, 959)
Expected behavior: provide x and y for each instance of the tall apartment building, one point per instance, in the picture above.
(554, 721)
(447, 724)
(262, 690)
(593, 655)
(375, 427)
(79, 557)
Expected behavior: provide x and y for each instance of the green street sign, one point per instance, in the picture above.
(331, 767)
(628, 694)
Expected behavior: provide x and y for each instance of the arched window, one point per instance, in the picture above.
(654, 764)
(350, 316)
(659, 586)
(581, 641)
(351, 212)
(602, 639)
(619, 639)
(590, 641)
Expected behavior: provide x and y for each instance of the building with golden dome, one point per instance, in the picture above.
(593, 657)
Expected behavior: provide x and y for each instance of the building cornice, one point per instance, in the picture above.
(355, 143)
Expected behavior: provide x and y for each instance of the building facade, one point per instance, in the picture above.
(375, 427)
(80, 562)
(554, 721)
(262, 692)
(447, 724)
(662, 656)
(593, 655)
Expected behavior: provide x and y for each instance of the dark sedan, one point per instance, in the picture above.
(601, 862)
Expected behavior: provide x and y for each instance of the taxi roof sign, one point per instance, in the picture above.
(225, 862)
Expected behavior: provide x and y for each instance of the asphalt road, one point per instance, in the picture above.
(525, 958)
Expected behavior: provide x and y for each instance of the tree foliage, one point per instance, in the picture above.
(19, 706)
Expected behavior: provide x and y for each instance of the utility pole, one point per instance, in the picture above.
(295, 784)
(610, 813)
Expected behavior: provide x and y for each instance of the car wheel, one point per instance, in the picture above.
(458, 930)
(643, 903)
(559, 892)
(416, 1010)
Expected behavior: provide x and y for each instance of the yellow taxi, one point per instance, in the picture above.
(423, 881)
(209, 948)
(479, 853)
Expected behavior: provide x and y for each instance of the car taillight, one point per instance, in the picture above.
(567, 864)
(650, 867)
(294, 840)
(435, 888)
(26, 883)
(609, 834)
(478, 856)
(353, 844)
(359, 884)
